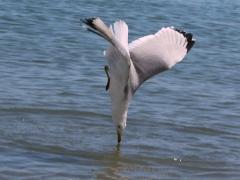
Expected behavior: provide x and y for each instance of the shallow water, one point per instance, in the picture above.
(55, 118)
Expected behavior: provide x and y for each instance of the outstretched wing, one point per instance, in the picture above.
(118, 57)
(155, 53)
(118, 53)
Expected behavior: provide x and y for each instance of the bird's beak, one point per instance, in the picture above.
(119, 135)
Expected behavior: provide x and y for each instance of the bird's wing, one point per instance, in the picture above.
(155, 53)
(118, 53)
(119, 57)
(116, 35)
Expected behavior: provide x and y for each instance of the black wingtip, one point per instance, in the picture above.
(89, 21)
(91, 25)
(190, 44)
(189, 38)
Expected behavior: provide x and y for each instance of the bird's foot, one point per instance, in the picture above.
(106, 69)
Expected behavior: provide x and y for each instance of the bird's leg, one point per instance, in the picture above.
(106, 68)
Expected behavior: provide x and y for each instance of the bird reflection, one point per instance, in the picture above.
(114, 165)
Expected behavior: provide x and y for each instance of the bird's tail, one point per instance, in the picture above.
(96, 25)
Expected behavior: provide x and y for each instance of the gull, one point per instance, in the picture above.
(130, 64)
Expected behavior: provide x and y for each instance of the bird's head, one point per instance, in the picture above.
(119, 129)
(120, 103)
(120, 121)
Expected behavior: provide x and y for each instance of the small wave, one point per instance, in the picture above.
(201, 130)
(41, 61)
(66, 94)
(52, 111)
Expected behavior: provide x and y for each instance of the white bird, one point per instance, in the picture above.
(132, 64)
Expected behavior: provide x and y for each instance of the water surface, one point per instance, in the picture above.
(55, 117)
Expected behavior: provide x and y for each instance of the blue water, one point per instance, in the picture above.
(55, 115)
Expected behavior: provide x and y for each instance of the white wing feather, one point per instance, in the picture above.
(119, 57)
(155, 53)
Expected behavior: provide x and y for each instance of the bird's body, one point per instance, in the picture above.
(121, 76)
(131, 64)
